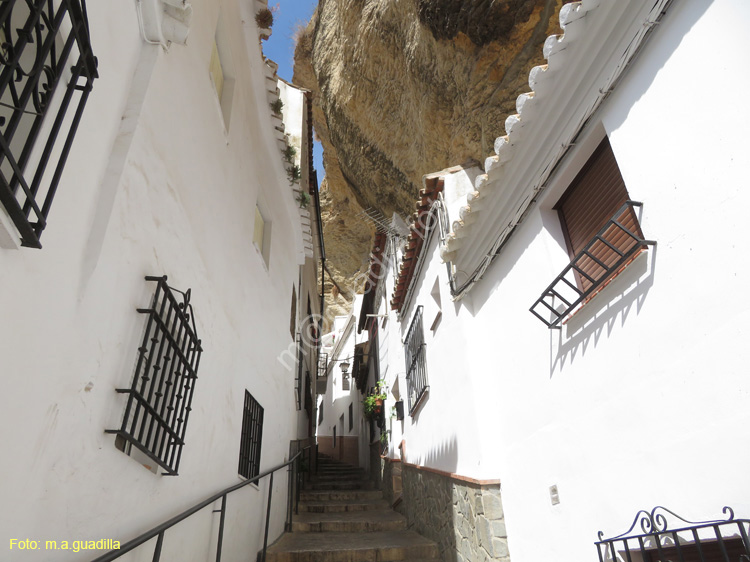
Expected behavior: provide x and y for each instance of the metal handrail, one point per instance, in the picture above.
(159, 530)
(551, 292)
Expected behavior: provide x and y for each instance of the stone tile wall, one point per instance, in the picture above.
(465, 519)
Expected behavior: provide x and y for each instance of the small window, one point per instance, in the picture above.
(320, 414)
(262, 235)
(602, 234)
(293, 319)
(252, 436)
(161, 394)
(221, 70)
(437, 307)
(217, 73)
(416, 367)
(351, 417)
(596, 196)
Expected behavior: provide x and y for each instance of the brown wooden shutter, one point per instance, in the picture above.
(594, 197)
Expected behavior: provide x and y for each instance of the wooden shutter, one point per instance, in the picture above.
(595, 197)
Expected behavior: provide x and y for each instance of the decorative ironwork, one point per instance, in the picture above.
(416, 369)
(160, 397)
(42, 42)
(650, 539)
(563, 295)
(300, 369)
(252, 437)
(322, 365)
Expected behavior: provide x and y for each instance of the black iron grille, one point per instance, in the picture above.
(42, 42)
(652, 539)
(159, 399)
(300, 369)
(252, 435)
(567, 291)
(322, 364)
(416, 370)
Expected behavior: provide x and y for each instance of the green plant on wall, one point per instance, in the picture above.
(303, 199)
(294, 173)
(277, 106)
(289, 153)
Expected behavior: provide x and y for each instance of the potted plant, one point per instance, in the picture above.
(373, 402)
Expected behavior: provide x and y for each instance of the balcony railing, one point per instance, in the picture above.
(650, 539)
(611, 249)
(41, 44)
(416, 370)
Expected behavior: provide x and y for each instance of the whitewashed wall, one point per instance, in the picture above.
(155, 184)
(336, 400)
(641, 399)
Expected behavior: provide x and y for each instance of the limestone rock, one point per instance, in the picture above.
(403, 88)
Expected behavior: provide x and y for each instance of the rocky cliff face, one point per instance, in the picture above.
(403, 88)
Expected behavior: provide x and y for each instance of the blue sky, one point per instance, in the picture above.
(288, 15)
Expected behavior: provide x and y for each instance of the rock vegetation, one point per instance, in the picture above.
(403, 88)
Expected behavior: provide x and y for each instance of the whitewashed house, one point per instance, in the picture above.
(156, 266)
(341, 431)
(568, 330)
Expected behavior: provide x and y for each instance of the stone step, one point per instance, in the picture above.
(338, 506)
(352, 547)
(349, 522)
(338, 469)
(339, 495)
(340, 485)
(342, 472)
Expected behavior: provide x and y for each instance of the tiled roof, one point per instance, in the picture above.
(498, 187)
(514, 124)
(417, 233)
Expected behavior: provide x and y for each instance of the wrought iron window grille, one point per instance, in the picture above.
(720, 540)
(252, 437)
(564, 294)
(161, 394)
(300, 368)
(43, 42)
(416, 369)
(322, 365)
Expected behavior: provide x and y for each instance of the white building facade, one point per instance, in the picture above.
(636, 396)
(175, 191)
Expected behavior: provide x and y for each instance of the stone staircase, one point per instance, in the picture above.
(342, 519)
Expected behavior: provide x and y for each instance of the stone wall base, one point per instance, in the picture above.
(465, 518)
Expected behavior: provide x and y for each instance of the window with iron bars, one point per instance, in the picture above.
(47, 71)
(416, 369)
(252, 436)
(161, 394)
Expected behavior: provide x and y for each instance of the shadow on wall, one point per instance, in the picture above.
(679, 20)
(614, 302)
(443, 457)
